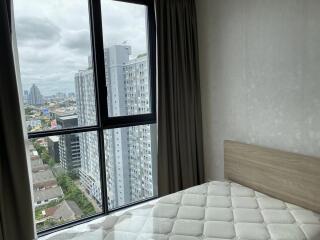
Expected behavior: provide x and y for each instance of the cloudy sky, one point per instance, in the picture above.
(54, 38)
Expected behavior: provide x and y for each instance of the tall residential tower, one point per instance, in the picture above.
(128, 151)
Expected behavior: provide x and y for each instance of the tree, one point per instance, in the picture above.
(44, 154)
(72, 192)
(40, 149)
(28, 110)
(45, 157)
(51, 162)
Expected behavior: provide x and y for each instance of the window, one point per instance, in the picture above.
(87, 70)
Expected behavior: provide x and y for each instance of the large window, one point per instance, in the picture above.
(87, 71)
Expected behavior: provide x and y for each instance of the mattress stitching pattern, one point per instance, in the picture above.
(213, 211)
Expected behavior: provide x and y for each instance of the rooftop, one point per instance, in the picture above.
(68, 210)
(39, 168)
(35, 153)
(68, 117)
(43, 176)
(34, 157)
(47, 194)
(54, 138)
(36, 163)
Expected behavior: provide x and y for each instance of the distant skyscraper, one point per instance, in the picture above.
(35, 97)
(69, 148)
(128, 151)
(25, 96)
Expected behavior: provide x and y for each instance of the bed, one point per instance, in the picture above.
(265, 196)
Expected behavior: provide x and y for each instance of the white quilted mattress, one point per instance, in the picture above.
(211, 211)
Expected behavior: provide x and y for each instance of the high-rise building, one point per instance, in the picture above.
(53, 148)
(69, 147)
(140, 148)
(25, 96)
(128, 151)
(116, 140)
(86, 108)
(35, 97)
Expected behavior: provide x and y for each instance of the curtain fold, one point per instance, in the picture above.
(180, 154)
(16, 211)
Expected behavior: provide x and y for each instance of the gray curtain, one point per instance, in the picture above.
(180, 153)
(16, 212)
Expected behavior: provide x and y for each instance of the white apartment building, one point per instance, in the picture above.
(128, 151)
(88, 141)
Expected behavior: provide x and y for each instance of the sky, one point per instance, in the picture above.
(53, 38)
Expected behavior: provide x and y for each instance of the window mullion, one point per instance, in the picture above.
(101, 91)
(128, 121)
(152, 46)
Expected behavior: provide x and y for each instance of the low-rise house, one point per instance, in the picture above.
(43, 180)
(67, 211)
(45, 196)
(37, 166)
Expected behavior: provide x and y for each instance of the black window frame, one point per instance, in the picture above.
(104, 121)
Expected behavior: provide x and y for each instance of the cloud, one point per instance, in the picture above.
(54, 38)
(124, 22)
(77, 40)
(36, 32)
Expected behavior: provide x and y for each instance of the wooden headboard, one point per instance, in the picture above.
(291, 177)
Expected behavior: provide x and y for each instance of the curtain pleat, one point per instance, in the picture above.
(180, 151)
(16, 211)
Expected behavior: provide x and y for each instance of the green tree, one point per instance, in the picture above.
(72, 192)
(45, 157)
(51, 162)
(44, 154)
(40, 149)
(28, 110)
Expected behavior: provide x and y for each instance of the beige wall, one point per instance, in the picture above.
(260, 75)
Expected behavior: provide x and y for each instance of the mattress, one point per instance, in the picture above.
(211, 211)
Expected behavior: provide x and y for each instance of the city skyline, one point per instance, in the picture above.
(27, 90)
(74, 158)
(58, 84)
(54, 38)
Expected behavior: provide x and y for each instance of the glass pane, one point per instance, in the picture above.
(53, 38)
(130, 164)
(61, 167)
(126, 58)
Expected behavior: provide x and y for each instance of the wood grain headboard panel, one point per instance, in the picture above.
(291, 177)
